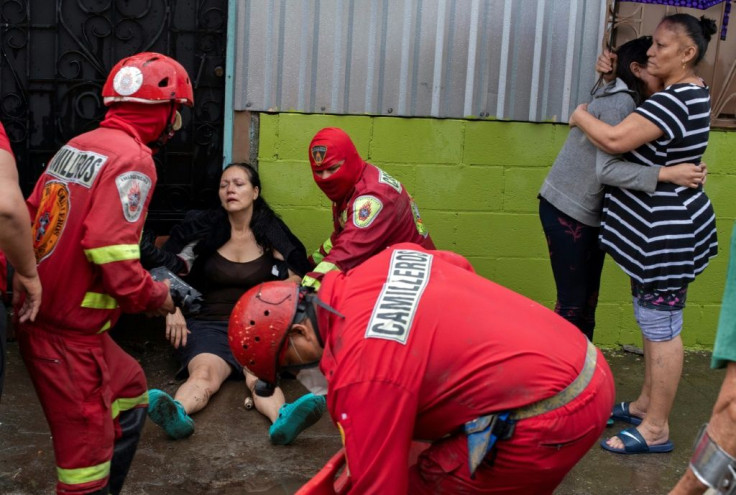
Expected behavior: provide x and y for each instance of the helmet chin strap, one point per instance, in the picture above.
(306, 306)
(173, 124)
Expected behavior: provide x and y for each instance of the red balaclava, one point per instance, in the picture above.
(145, 122)
(329, 147)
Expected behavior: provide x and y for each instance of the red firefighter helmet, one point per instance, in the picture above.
(148, 77)
(259, 324)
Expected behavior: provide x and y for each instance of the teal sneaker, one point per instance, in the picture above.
(169, 414)
(296, 417)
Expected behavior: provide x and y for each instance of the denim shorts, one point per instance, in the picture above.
(658, 325)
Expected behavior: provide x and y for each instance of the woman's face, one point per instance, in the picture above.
(668, 51)
(236, 191)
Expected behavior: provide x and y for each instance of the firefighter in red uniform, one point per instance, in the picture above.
(88, 207)
(370, 211)
(414, 345)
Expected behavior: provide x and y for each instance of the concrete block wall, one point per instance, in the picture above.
(476, 185)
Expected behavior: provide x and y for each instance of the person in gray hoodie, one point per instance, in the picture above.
(571, 196)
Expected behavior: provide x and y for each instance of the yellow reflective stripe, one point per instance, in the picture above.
(105, 327)
(327, 245)
(97, 300)
(127, 403)
(109, 254)
(308, 281)
(317, 256)
(83, 475)
(325, 267)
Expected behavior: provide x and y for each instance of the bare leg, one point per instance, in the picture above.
(666, 368)
(268, 406)
(207, 372)
(640, 406)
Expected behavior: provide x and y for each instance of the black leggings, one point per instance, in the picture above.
(577, 262)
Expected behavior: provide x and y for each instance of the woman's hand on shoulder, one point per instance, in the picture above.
(176, 329)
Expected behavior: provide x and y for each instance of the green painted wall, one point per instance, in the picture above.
(476, 184)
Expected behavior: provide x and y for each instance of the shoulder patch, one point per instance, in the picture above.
(133, 188)
(387, 179)
(51, 216)
(76, 166)
(365, 210)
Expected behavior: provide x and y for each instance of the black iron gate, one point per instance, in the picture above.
(55, 56)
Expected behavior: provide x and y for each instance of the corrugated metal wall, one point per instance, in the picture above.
(507, 59)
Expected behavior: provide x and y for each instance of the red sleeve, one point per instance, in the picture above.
(4, 141)
(454, 259)
(376, 421)
(115, 235)
(355, 244)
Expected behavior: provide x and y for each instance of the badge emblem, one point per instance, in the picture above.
(318, 154)
(133, 188)
(365, 210)
(421, 228)
(53, 211)
(127, 81)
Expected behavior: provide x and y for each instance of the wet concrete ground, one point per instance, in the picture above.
(230, 453)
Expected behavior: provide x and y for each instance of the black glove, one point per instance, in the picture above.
(184, 295)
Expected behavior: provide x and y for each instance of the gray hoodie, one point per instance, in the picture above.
(575, 183)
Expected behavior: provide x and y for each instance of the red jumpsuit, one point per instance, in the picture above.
(425, 346)
(88, 209)
(4, 145)
(378, 213)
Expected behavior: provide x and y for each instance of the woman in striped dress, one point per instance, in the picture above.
(662, 240)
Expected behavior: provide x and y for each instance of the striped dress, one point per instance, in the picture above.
(664, 239)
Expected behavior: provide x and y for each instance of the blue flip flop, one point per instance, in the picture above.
(634, 443)
(620, 412)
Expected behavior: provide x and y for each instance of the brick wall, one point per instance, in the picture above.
(476, 183)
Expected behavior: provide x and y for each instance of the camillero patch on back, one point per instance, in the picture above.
(394, 311)
(318, 154)
(365, 210)
(133, 188)
(51, 217)
(78, 166)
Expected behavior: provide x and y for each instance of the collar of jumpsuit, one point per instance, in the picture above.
(329, 147)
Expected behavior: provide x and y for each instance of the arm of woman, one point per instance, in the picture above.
(615, 171)
(176, 329)
(628, 135)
